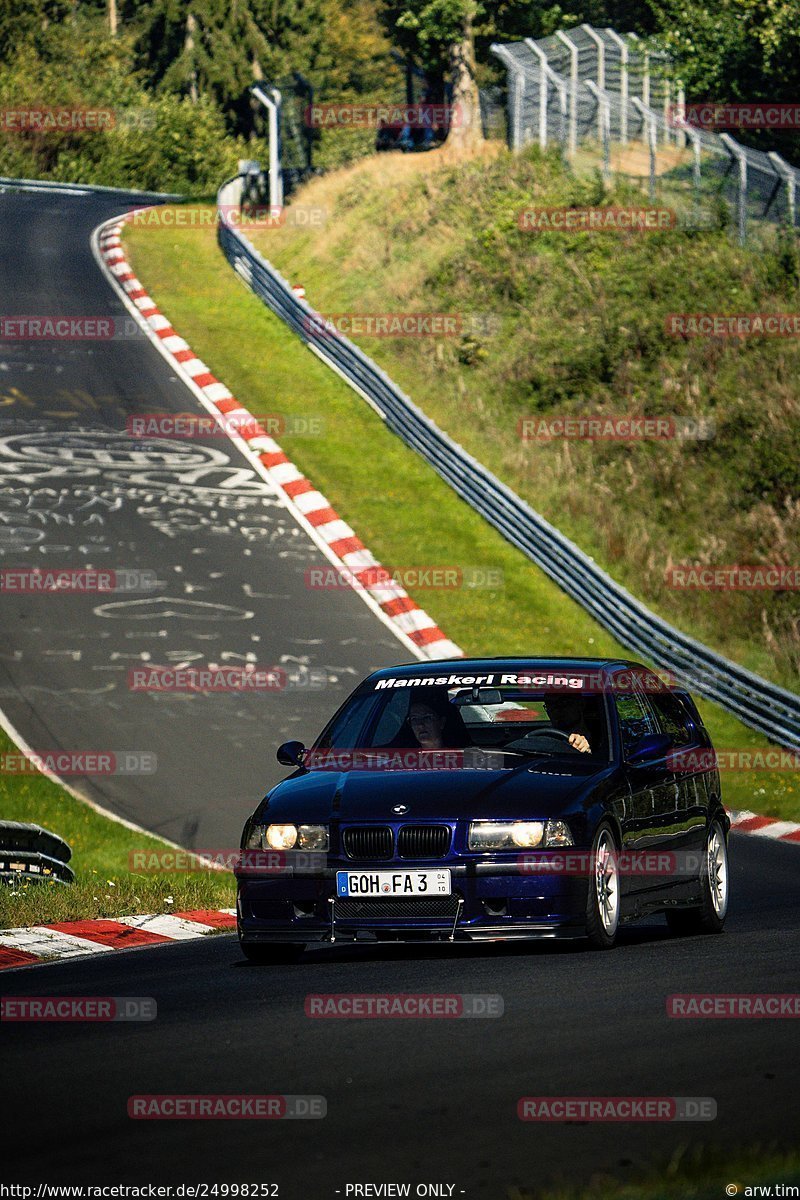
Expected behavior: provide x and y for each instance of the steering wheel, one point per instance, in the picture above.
(549, 733)
(552, 735)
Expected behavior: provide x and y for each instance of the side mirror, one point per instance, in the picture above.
(649, 748)
(291, 754)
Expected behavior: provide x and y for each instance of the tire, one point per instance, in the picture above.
(603, 900)
(271, 954)
(709, 915)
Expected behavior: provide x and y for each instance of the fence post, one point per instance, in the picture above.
(646, 80)
(271, 99)
(519, 97)
(623, 84)
(604, 118)
(573, 89)
(600, 45)
(650, 132)
(680, 135)
(645, 97)
(736, 152)
(697, 177)
(786, 172)
(544, 67)
(516, 94)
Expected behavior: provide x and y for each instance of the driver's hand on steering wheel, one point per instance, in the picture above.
(579, 742)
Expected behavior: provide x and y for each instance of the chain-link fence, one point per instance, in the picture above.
(317, 132)
(493, 113)
(596, 93)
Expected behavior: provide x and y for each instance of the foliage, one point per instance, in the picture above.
(736, 50)
(160, 142)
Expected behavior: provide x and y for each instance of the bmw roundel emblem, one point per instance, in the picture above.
(400, 809)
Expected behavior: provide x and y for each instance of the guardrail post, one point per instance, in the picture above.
(737, 154)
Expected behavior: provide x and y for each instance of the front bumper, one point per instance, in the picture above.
(490, 902)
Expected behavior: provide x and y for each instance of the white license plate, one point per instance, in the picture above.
(393, 883)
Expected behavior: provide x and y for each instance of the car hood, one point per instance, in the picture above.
(530, 789)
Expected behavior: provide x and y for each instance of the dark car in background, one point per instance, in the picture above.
(490, 799)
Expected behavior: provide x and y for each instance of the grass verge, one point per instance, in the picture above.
(397, 504)
(104, 885)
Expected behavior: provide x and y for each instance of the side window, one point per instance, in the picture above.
(672, 718)
(635, 719)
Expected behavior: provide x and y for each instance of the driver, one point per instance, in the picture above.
(566, 714)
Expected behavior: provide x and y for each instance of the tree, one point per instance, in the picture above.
(512, 20)
(23, 22)
(438, 36)
(220, 47)
(736, 50)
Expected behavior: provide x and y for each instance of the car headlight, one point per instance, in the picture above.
(505, 835)
(556, 833)
(280, 837)
(312, 837)
(288, 837)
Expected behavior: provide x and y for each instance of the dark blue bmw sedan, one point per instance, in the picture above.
(490, 799)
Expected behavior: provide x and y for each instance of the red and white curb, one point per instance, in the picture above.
(769, 827)
(415, 627)
(73, 939)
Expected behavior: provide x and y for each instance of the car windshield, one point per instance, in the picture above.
(411, 724)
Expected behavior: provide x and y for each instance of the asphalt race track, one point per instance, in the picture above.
(430, 1101)
(411, 1100)
(77, 490)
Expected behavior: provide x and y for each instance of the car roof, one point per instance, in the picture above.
(473, 666)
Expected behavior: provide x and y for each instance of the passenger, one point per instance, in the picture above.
(436, 726)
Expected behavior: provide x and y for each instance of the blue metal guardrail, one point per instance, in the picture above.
(761, 705)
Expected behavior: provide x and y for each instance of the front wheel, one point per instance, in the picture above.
(271, 954)
(709, 915)
(602, 902)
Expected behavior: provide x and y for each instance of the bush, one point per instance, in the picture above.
(163, 143)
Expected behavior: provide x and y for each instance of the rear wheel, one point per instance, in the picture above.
(271, 954)
(602, 902)
(709, 915)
